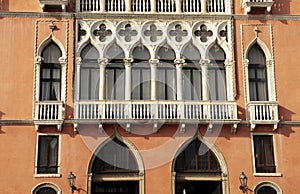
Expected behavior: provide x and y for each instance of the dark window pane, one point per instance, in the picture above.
(47, 154)
(116, 187)
(257, 74)
(115, 156)
(89, 74)
(197, 157)
(46, 190)
(266, 190)
(264, 154)
(216, 74)
(50, 75)
(198, 187)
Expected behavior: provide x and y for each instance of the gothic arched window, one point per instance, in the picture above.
(50, 76)
(257, 74)
(89, 74)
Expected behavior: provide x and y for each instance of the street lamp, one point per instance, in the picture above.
(243, 180)
(71, 180)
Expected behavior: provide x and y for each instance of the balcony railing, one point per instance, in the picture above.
(153, 6)
(263, 112)
(249, 4)
(156, 110)
(48, 113)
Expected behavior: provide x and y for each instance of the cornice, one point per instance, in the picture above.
(156, 16)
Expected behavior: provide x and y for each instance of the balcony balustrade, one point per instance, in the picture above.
(263, 112)
(48, 113)
(156, 110)
(154, 6)
(249, 4)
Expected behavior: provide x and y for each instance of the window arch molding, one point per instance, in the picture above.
(267, 184)
(39, 60)
(228, 64)
(215, 151)
(46, 185)
(40, 108)
(269, 67)
(134, 151)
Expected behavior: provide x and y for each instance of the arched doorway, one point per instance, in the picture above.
(116, 168)
(199, 168)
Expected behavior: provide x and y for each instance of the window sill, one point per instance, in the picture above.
(268, 174)
(47, 175)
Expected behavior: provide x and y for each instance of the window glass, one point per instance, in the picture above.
(257, 74)
(50, 75)
(114, 156)
(115, 74)
(46, 190)
(140, 74)
(264, 154)
(266, 190)
(197, 157)
(216, 74)
(166, 74)
(47, 155)
(89, 74)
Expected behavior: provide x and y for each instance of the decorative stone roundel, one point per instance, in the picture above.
(178, 33)
(204, 32)
(153, 32)
(102, 32)
(128, 32)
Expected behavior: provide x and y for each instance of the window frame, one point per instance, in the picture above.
(53, 186)
(36, 173)
(255, 173)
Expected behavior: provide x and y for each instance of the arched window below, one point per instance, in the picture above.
(46, 188)
(197, 170)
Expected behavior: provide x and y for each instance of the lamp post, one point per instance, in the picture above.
(71, 180)
(243, 180)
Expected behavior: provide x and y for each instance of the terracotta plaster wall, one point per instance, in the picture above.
(17, 35)
(281, 7)
(284, 40)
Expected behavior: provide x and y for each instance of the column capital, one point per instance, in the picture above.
(228, 63)
(62, 59)
(246, 62)
(127, 62)
(102, 62)
(153, 61)
(78, 60)
(179, 61)
(270, 62)
(38, 60)
(204, 62)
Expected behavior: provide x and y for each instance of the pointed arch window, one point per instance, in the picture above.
(140, 82)
(114, 156)
(193, 166)
(115, 74)
(197, 157)
(115, 170)
(192, 74)
(50, 76)
(166, 74)
(257, 74)
(89, 74)
(216, 73)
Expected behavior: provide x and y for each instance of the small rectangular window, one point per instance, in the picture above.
(47, 161)
(264, 154)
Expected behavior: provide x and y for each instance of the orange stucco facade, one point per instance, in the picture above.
(24, 27)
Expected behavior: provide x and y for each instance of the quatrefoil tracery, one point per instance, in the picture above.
(153, 33)
(178, 33)
(102, 32)
(128, 32)
(203, 33)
